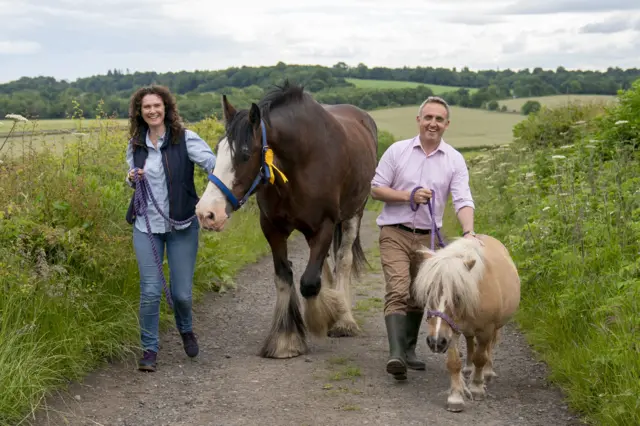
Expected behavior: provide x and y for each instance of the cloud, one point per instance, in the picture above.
(612, 25)
(73, 38)
(526, 7)
(18, 47)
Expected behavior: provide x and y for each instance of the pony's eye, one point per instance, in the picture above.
(245, 154)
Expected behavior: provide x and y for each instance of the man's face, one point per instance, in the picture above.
(432, 122)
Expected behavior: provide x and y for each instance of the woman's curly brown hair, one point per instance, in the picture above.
(172, 120)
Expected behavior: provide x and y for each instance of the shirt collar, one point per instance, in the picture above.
(417, 144)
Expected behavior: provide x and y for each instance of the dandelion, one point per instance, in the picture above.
(558, 157)
(15, 117)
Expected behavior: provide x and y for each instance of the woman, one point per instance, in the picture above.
(164, 152)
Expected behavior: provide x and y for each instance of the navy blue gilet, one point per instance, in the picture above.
(178, 170)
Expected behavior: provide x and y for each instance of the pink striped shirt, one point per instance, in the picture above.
(404, 165)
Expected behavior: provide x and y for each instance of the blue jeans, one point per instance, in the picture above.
(182, 248)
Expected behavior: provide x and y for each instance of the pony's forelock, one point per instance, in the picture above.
(445, 277)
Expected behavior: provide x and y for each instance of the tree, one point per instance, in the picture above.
(530, 107)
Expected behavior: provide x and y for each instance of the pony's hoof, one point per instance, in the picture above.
(477, 392)
(455, 403)
(344, 329)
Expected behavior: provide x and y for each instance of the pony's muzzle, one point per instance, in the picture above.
(438, 344)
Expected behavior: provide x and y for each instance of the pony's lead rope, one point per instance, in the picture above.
(141, 194)
(434, 228)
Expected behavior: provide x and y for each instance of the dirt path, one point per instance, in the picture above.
(340, 382)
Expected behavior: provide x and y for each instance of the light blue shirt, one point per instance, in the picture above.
(199, 152)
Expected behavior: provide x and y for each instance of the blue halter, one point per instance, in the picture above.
(264, 174)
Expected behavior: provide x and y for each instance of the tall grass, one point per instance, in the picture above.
(564, 198)
(68, 274)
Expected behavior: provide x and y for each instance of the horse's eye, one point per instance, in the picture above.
(245, 154)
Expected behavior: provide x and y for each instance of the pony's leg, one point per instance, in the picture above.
(287, 336)
(346, 325)
(480, 357)
(458, 390)
(325, 306)
(488, 372)
(469, 361)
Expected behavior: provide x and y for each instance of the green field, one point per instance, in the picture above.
(555, 100)
(391, 84)
(469, 127)
(51, 125)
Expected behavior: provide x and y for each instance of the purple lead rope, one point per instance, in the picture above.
(141, 194)
(434, 229)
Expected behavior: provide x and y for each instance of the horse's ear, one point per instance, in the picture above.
(254, 115)
(228, 110)
(425, 253)
(470, 263)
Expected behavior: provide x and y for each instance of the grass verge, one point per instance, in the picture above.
(68, 273)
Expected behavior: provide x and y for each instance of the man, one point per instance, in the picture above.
(425, 160)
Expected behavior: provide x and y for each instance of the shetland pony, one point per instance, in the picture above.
(470, 287)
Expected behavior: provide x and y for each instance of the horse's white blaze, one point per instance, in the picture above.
(213, 199)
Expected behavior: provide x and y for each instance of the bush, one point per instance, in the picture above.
(569, 213)
(554, 127)
(530, 107)
(68, 275)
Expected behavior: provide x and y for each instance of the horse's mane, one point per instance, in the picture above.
(445, 277)
(239, 132)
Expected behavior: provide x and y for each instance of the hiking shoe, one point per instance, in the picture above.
(190, 344)
(148, 361)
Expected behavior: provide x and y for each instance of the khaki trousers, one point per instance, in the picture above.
(400, 265)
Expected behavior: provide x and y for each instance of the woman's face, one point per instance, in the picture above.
(152, 110)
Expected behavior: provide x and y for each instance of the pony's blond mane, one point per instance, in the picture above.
(445, 277)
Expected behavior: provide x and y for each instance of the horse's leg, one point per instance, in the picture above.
(488, 371)
(458, 390)
(477, 385)
(346, 325)
(469, 361)
(325, 306)
(287, 336)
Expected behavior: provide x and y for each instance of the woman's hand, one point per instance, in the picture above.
(132, 173)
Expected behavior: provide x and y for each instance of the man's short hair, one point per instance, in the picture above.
(436, 100)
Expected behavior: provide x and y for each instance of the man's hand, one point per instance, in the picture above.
(421, 196)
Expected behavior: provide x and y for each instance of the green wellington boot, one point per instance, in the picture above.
(414, 320)
(396, 332)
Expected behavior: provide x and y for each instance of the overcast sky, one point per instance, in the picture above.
(68, 39)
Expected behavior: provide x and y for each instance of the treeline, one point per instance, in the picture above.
(199, 92)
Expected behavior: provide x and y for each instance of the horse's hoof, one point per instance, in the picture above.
(344, 329)
(489, 375)
(455, 403)
(466, 371)
(283, 347)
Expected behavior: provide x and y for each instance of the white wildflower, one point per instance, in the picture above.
(619, 122)
(580, 122)
(546, 208)
(530, 174)
(566, 146)
(81, 135)
(558, 157)
(590, 146)
(15, 117)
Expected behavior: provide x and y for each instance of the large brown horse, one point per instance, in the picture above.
(310, 166)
